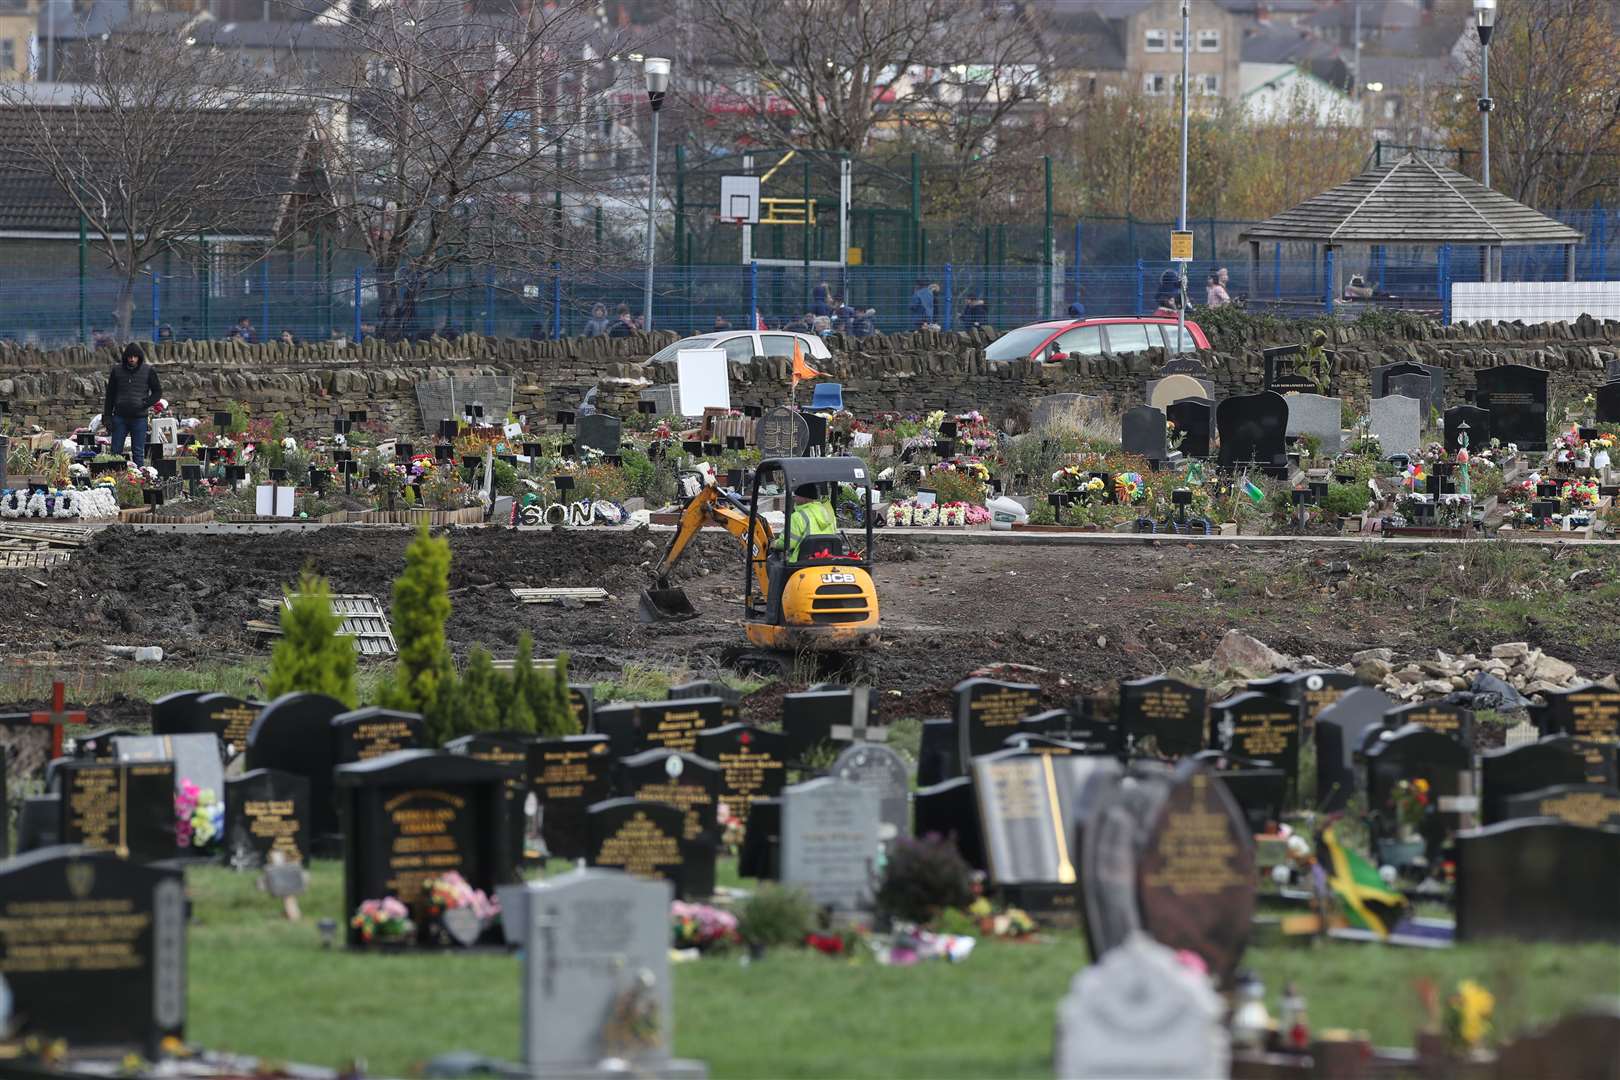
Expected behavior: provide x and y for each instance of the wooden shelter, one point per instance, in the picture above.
(1413, 201)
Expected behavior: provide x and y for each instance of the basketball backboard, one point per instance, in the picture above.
(739, 200)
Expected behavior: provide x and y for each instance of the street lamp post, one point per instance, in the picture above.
(656, 70)
(1181, 222)
(1484, 22)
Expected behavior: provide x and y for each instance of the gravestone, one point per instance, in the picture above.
(1340, 729)
(1287, 370)
(782, 432)
(582, 700)
(1142, 432)
(830, 842)
(596, 981)
(1538, 880)
(224, 715)
(1607, 402)
(1316, 690)
(1411, 753)
(267, 810)
(1170, 711)
(639, 838)
(1397, 423)
(294, 734)
(1577, 804)
(1453, 720)
(620, 725)
(1052, 406)
(1139, 1012)
(691, 785)
(706, 688)
(757, 856)
(598, 432)
(414, 815)
(1516, 398)
(372, 732)
(1193, 418)
(93, 949)
(674, 725)
(1253, 427)
(568, 775)
(753, 764)
(1434, 392)
(1416, 385)
(1479, 427)
(950, 810)
(937, 753)
(1032, 809)
(809, 717)
(125, 809)
(1196, 878)
(1259, 727)
(1260, 791)
(39, 818)
(196, 758)
(1519, 770)
(886, 774)
(1110, 844)
(987, 711)
(1590, 714)
(511, 753)
(171, 714)
(1318, 417)
(1163, 392)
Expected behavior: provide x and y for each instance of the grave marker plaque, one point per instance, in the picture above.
(988, 710)
(783, 433)
(372, 732)
(567, 776)
(886, 774)
(1196, 878)
(640, 838)
(1516, 397)
(415, 815)
(266, 811)
(753, 764)
(93, 948)
(125, 809)
(691, 785)
(830, 842)
(1169, 710)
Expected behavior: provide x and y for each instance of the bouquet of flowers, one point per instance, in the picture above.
(701, 927)
(1580, 493)
(1411, 800)
(450, 891)
(383, 920)
(1012, 923)
(199, 816)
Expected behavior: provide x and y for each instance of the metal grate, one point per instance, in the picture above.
(363, 619)
(31, 560)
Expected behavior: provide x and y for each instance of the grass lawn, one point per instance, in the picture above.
(260, 985)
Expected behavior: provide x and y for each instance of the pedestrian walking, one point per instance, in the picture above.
(132, 389)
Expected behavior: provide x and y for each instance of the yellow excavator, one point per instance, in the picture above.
(805, 593)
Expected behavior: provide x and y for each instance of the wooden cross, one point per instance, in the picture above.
(857, 730)
(57, 717)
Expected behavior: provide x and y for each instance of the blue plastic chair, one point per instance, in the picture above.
(828, 395)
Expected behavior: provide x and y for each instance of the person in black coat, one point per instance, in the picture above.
(132, 389)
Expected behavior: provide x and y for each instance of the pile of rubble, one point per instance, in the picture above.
(1505, 680)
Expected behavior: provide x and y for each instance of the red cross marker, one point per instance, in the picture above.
(57, 717)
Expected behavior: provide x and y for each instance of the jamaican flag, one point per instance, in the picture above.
(1367, 903)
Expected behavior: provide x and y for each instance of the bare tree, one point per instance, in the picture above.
(1555, 78)
(447, 143)
(159, 145)
(840, 75)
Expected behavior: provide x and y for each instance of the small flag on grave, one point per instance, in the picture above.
(1365, 901)
(1252, 490)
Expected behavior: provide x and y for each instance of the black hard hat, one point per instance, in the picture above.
(807, 491)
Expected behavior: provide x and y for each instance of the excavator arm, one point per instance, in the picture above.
(709, 507)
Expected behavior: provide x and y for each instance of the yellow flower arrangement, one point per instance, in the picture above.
(1468, 1014)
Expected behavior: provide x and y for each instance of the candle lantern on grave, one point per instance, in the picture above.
(1462, 460)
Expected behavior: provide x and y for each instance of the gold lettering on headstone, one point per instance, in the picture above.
(1018, 790)
(49, 936)
(564, 773)
(1590, 808)
(424, 845)
(1002, 707)
(1196, 848)
(233, 723)
(640, 847)
(677, 729)
(692, 800)
(1594, 715)
(746, 771)
(1264, 734)
(374, 738)
(275, 820)
(95, 797)
(1435, 720)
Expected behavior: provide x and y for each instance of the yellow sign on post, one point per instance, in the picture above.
(1181, 246)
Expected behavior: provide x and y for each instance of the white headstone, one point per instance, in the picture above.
(1141, 1013)
(1398, 423)
(1317, 416)
(830, 841)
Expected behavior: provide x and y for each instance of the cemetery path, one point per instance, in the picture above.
(1087, 616)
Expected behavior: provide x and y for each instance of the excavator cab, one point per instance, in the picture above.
(811, 591)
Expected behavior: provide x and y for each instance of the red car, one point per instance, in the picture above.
(1092, 337)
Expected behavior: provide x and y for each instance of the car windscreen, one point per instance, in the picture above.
(668, 351)
(1016, 344)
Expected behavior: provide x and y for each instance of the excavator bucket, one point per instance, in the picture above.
(666, 605)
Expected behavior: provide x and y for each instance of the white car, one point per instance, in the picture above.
(746, 346)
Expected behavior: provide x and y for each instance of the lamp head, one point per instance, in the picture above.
(656, 71)
(1484, 19)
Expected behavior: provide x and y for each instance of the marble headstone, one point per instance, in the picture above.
(1398, 424)
(1317, 416)
(830, 842)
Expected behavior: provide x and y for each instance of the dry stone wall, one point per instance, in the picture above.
(313, 383)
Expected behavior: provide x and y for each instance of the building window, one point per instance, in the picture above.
(1209, 84)
(1175, 41)
(1154, 84)
(1153, 41)
(1209, 41)
(8, 55)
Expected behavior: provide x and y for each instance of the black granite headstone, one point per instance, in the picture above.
(125, 809)
(1411, 753)
(1168, 710)
(567, 775)
(689, 784)
(1578, 804)
(646, 839)
(1516, 397)
(371, 732)
(1607, 398)
(987, 711)
(1259, 727)
(753, 764)
(294, 734)
(809, 717)
(1253, 427)
(1453, 720)
(950, 810)
(267, 810)
(1194, 418)
(760, 852)
(1142, 432)
(1538, 880)
(1518, 770)
(1479, 427)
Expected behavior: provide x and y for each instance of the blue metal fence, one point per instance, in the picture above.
(349, 302)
